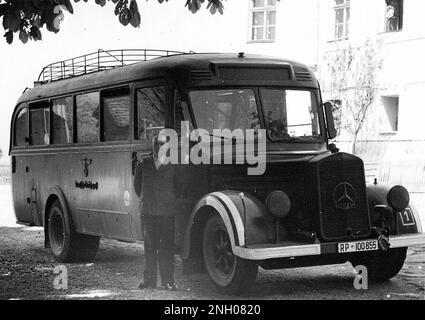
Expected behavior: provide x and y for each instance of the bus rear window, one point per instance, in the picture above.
(21, 128)
(88, 117)
(40, 123)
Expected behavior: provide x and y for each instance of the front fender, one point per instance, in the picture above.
(377, 195)
(245, 217)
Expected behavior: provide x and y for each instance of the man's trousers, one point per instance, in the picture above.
(159, 249)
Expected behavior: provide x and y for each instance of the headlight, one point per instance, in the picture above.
(278, 204)
(398, 198)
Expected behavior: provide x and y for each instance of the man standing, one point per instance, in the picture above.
(154, 184)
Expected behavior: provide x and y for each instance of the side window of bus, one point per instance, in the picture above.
(62, 120)
(21, 129)
(88, 117)
(116, 114)
(40, 123)
(150, 112)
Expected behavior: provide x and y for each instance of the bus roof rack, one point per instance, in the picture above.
(99, 61)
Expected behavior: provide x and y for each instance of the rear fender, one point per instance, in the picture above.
(54, 193)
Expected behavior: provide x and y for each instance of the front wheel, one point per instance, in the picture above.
(66, 244)
(229, 273)
(382, 266)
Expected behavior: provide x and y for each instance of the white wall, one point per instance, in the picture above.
(403, 71)
(296, 32)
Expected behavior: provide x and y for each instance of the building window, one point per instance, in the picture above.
(342, 19)
(394, 15)
(263, 20)
(389, 119)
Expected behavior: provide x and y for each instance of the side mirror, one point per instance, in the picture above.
(330, 123)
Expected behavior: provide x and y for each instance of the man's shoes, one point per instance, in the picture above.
(170, 286)
(146, 285)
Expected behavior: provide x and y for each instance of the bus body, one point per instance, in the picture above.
(75, 143)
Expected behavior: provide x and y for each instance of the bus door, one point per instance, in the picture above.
(115, 177)
(37, 164)
(103, 125)
(151, 113)
(21, 190)
(21, 198)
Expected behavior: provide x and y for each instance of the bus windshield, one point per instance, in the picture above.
(289, 114)
(225, 109)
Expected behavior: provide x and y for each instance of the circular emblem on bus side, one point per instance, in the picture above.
(345, 196)
(127, 198)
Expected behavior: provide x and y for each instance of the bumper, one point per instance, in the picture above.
(276, 252)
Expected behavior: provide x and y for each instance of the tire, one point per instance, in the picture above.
(382, 266)
(66, 244)
(229, 273)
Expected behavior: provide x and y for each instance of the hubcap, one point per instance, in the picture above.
(220, 260)
(224, 260)
(57, 231)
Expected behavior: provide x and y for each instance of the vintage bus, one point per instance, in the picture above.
(77, 135)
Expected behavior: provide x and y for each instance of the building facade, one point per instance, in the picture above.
(386, 39)
(391, 138)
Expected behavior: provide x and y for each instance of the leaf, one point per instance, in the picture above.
(194, 5)
(3, 9)
(23, 36)
(19, 16)
(215, 5)
(36, 21)
(9, 37)
(100, 2)
(67, 4)
(124, 16)
(12, 19)
(35, 33)
(134, 14)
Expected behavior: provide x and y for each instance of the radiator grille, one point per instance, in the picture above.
(343, 200)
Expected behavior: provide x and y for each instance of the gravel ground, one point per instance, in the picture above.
(27, 272)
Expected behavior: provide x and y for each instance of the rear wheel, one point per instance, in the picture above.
(66, 244)
(229, 273)
(382, 266)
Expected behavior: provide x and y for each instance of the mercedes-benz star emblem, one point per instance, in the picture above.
(345, 196)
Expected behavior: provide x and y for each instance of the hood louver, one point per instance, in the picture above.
(303, 76)
(201, 75)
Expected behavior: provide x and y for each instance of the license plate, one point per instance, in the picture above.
(359, 246)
